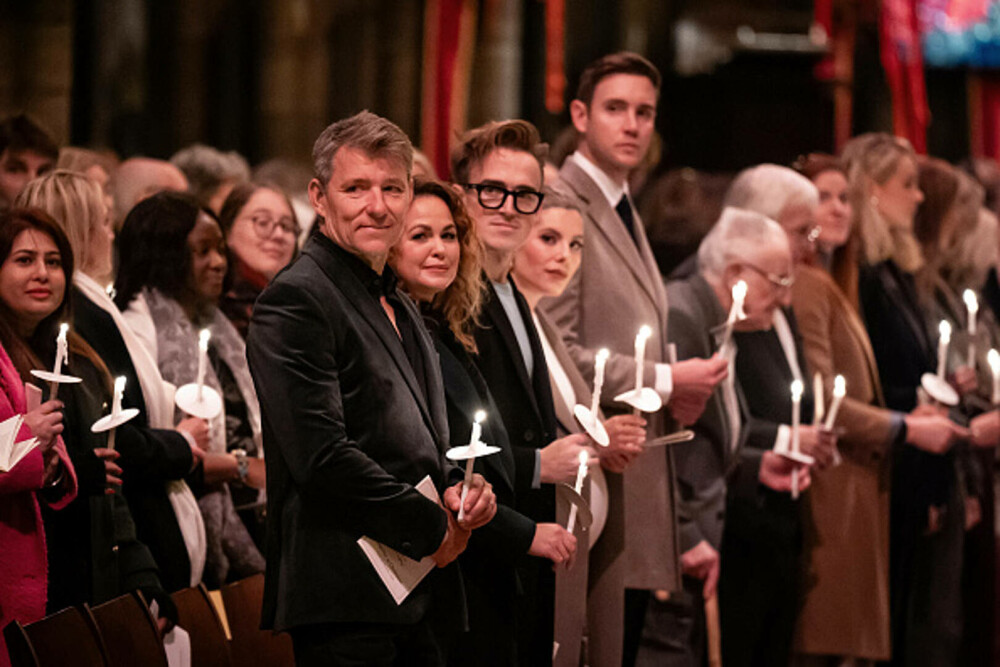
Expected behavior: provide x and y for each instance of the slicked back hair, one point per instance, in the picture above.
(623, 62)
(478, 143)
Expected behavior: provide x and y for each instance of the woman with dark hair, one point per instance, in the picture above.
(437, 262)
(261, 230)
(173, 271)
(93, 553)
(154, 460)
(44, 474)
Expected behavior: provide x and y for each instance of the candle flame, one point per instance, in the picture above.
(740, 290)
(993, 357)
(945, 329)
(645, 331)
(970, 300)
(583, 458)
(119, 384)
(63, 329)
(603, 354)
(480, 416)
(797, 390)
(839, 386)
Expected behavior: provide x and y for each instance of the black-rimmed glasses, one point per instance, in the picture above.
(493, 197)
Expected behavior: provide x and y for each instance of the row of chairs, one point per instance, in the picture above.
(123, 632)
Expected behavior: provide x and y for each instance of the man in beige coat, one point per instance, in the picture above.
(617, 290)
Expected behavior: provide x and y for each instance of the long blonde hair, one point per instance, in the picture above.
(872, 159)
(75, 202)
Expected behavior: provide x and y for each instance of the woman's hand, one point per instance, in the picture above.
(627, 433)
(112, 472)
(46, 423)
(197, 431)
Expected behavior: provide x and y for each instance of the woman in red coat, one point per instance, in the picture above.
(45, 474)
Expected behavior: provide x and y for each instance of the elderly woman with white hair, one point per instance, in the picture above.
(717, 467)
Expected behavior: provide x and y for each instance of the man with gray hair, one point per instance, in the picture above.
(211, 173)
(353, 413)
(742, 246)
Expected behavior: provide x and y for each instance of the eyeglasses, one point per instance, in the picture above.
(263, 225)
(807, 234)
(493, 197)
(778, 282)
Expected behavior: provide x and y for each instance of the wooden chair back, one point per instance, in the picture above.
(251, 645)
(68, 637)
(197, 615)
(130, 633)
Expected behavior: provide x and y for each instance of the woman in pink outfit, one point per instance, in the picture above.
(46, 475)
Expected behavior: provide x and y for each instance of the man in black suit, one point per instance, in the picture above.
(499, 166)
(354, 418)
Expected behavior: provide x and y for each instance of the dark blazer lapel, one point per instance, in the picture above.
(494, 312)
(435, 384)
(371, 311)
(540, 381)
(606, 220)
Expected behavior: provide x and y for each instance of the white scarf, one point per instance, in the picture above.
(159, 398)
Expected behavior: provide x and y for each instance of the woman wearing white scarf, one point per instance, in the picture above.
(155, 455)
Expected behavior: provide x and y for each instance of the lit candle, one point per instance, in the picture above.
(839, 391)
(736, 313)
(797, 390)
(972, 306)
(477, 430)
(581, 474)
(116, 407)
(945, 329)
(818, 408)
(640, 355)
(994, 358)
(599, 362)
(62, 349)
(203, 337)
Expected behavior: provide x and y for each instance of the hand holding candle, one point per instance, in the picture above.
(797, 390)
(581, 474)
(118, 416)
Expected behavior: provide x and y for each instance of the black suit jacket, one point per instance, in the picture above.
(149, 457)
(488, 564)
(348, 433)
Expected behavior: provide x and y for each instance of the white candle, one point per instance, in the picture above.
(203, 337)
(839, 391)
(797, 389)
(994, 358)
(818, 408)
(735, 313)
(581, 474)
(945, 330)
(477, 430)
(62, 349)
(599, 363)
(116, 404)
(640, 354)
(972, 306)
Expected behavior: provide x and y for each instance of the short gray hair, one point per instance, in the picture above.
(207, 168)
(556, 197)
(376, 136)
(736, 237)
(769, 189)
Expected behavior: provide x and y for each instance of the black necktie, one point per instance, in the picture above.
(624, 210)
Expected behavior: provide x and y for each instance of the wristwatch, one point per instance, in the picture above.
(242, 463)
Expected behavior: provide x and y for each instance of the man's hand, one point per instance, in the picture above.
(694, 381)
(46, 423)
(554, 542)
(561, 458)
(627, 433)
(819, 444)
(453, 544)
(480, 503)
(986, 429)
(702, 562)
(965, 380)
(934, 434)
(776, 473)
(112, 472)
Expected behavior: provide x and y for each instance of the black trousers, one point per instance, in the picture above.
(368, 644)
